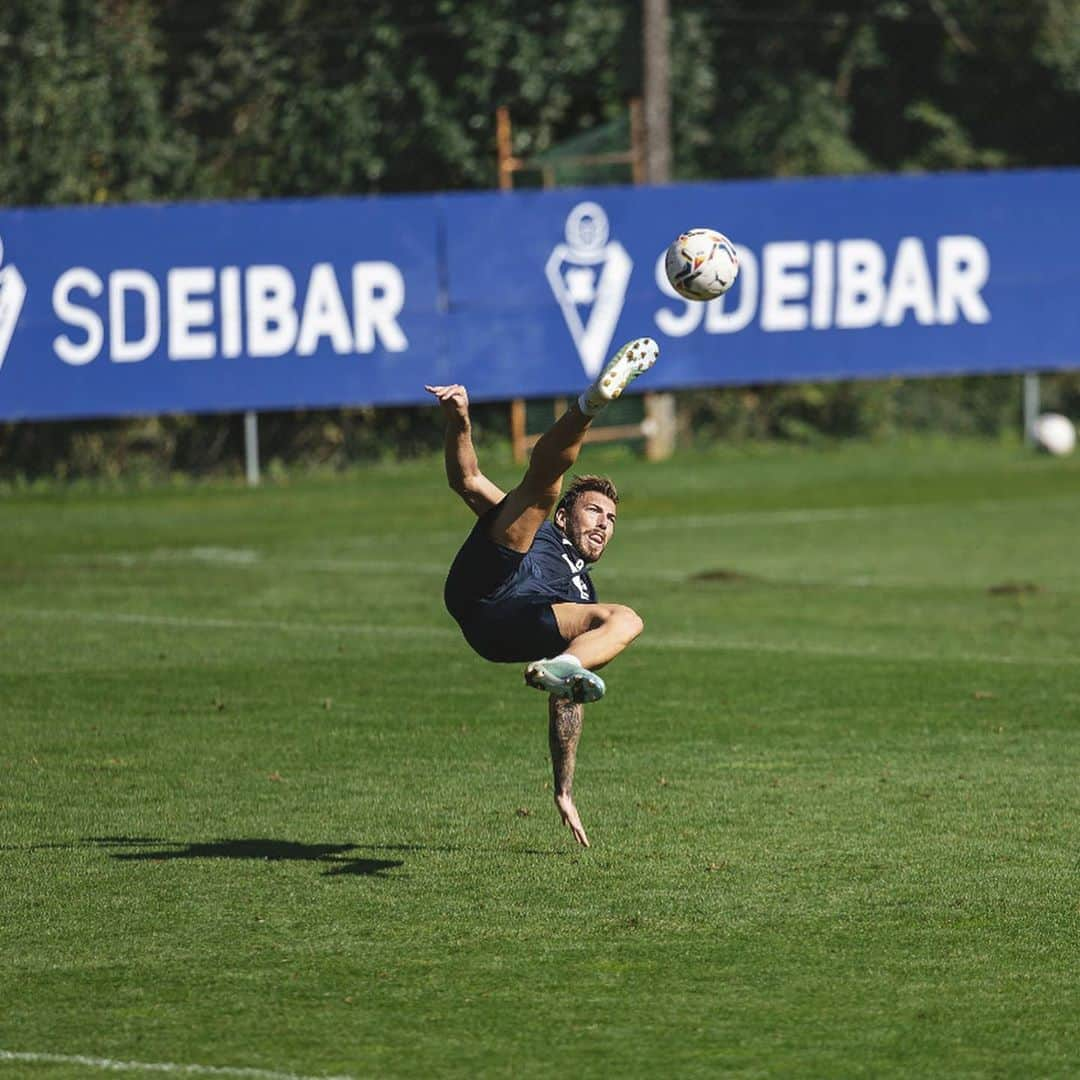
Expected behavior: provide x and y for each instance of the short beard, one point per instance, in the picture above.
(580, 542)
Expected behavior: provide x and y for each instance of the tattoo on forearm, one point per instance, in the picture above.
(564, 730)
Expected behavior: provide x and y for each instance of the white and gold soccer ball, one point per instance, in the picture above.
(701, 264)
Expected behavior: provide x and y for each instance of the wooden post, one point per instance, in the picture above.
(646, 129)
(504, 142)
(517, 430)
(505, 147)
(655, 46)
(638, 165)
(659, 426)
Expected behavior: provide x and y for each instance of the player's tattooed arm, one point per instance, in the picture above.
(462, 465)
(564, 729)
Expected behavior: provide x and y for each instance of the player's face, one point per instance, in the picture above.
(590, 524)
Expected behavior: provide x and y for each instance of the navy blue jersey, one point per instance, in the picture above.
(502, 598)
(553, 570)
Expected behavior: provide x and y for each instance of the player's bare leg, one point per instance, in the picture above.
(527, 507)
(597, 633)
(564, 729)
(557, 449)
(570, 674)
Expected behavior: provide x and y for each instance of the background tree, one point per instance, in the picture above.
(121, 100)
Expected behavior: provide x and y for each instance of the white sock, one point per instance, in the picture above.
(566, 656)
(590, 407)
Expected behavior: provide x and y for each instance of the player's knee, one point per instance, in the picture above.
(628, 621)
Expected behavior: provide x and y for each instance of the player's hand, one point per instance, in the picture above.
(454, 400)
(570, 818)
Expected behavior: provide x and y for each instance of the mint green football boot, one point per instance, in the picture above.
(565, 679)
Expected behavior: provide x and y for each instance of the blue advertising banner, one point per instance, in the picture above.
(839, 279)
(271, 305)
(217, 307)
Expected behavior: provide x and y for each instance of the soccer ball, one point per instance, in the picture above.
(1054, 433)
(701, 264)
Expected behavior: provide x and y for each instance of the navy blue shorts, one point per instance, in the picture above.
(499, 623)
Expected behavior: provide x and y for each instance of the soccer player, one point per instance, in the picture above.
(519, 587)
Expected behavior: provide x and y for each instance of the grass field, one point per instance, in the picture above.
(260, 807)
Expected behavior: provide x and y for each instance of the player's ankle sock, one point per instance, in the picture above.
(570, 657)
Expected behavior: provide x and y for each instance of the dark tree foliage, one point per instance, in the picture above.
(117, 100)
(121, 100)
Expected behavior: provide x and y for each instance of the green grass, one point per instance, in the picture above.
(261, 807)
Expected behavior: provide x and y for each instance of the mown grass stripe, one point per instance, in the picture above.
(109, 1065)
(695, 644)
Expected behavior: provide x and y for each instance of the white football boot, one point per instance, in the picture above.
(632, 360)
(565, 678)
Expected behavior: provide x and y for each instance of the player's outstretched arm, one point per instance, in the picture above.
(564, 730)
(462, 466)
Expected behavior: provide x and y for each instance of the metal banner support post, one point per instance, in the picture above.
(1031, 405)
(251, 448)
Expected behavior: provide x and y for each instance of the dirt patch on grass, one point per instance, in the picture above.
(724, 577)
(1014, 588)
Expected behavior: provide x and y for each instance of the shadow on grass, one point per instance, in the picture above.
(158, 849)
(336, 855)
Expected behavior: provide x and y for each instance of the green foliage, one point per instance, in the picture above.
(80, 109)
(983, 406)
(946, 144)
(112, 102)
(152, 448)
(1057, 44)
(794, 128)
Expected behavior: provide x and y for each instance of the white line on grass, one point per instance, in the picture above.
(244, 556)
(109, 1065)
(410, 568)
(186, 622)
(248, 559)
(694, 644)
(607, 574)
(697, 644)
(838, 513)
(251, 558)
